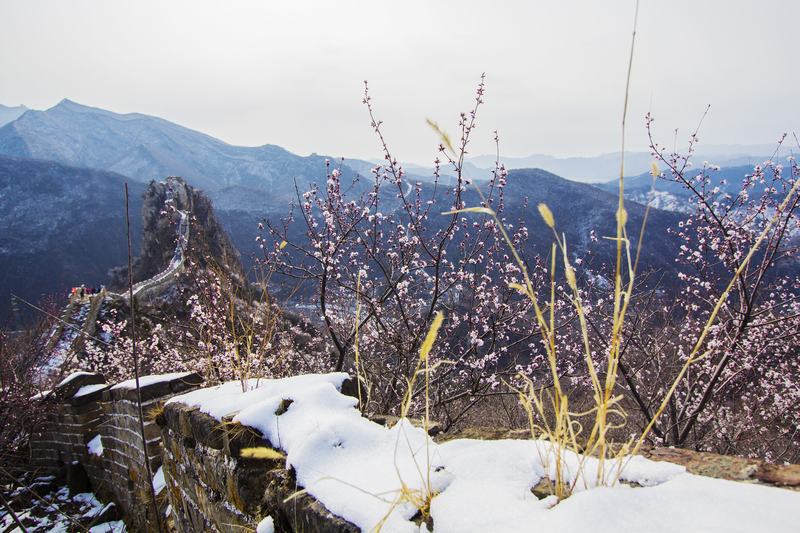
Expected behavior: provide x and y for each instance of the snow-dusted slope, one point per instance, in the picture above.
(60, 226)
(143, 147)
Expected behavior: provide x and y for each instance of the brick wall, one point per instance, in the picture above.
(118, 474)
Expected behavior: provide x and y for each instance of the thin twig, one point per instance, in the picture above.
(136, 364)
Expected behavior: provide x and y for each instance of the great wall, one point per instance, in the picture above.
(204, 479)
(78, 321)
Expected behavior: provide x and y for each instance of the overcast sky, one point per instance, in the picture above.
(291, 72)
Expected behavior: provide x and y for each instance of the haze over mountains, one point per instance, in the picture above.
(61, 220)
(145, 148)
(7, 114)
(142, 146)
(605, 167)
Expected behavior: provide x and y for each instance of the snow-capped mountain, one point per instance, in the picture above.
(144, 148)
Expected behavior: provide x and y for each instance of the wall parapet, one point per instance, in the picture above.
(92, 438)
(221, 475)
(212, 487)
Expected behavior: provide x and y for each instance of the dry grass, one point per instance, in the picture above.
(261, 452)
(237, 431)
(420, 498)
(548, 410)
(155, 412)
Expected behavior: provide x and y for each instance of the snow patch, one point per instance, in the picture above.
(158, 480)
(88, 389)
(41, 395)
(117, 526)
(73, 376)
(150, 380)
(95, 446)
(266, 526)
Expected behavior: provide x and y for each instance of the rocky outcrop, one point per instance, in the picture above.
(169, 209)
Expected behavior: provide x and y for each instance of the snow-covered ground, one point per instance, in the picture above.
(69, 333)
(357, 468)
(57, 511)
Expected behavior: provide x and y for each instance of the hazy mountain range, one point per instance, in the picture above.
(7, 114)
(145, 148)
(61, 221)
(605, 167)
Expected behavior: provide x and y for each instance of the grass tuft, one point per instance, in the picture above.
(261, 452)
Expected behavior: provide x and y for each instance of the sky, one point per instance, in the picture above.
(291, 73)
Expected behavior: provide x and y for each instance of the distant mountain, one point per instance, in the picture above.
(143, 148)
(60, 226)
(584, 169)
(605, 167)
(671, 195)
(468, 170)
(8, 114)
(578, 209)
(244, 184)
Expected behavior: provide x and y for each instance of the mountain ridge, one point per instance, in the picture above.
(145, 147)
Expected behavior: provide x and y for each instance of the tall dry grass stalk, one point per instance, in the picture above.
(548, 409)
(558, 424)
(419, 498)
(361, 376)
(548, 412)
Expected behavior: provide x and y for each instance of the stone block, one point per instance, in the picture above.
(206, 429)
(68, 390)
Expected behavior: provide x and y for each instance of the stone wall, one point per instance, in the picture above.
(211, 484)
(118, 472)
(211, 487)
(62, 439)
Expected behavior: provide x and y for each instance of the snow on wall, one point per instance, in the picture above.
(222, 457)
(355, 468)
